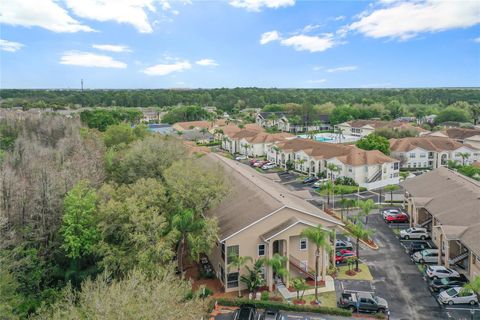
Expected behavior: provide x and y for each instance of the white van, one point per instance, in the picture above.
(426, 256)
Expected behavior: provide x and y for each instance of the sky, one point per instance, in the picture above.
(239, 43)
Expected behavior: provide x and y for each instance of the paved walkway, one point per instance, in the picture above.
(286, 294)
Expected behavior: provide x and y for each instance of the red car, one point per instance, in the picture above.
(343, 255)
(398, 217)
(253, 161)
(260, 163)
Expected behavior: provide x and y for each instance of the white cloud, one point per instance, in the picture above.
(343, 69)
(405, 20)
(10, 46)
(112, 47)
(317, 81)
(310, 27)
(133, 12)
(164, 69)
(477, 40)
(309, 43)
(269, 37)
(339, 18)
(257, 5)
(207, 62)
(317, 68)
(46, 14)
(88, 59)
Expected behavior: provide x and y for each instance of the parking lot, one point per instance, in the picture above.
(398, 279)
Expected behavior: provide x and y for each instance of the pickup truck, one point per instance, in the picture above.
(362, 301)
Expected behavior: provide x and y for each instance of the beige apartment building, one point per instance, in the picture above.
(259, 218)
(362, 128)
(448, 205)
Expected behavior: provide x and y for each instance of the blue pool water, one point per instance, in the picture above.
(323, 139)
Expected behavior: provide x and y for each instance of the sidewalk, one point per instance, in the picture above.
(286, 294)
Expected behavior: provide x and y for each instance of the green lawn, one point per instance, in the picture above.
(341, 189)
(364, 274)
(327, 299)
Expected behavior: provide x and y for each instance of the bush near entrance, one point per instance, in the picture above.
(284, 306)
(342, 189)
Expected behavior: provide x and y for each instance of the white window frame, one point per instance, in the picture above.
(306, 244)
(258, 250)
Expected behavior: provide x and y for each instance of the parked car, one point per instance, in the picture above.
(364, 301)
(414, 233)
(253, 161)
(271, 314)
(384, 212)
(436, 272)
(342, 255)
(260, 163)
(246, 312)
(458, 295)
(269, 165)
(437, 285)
(341, 244)
(320, 183)
(416, 246)
(241, 157)
(426, 256)
(310, 179)
(395, 216)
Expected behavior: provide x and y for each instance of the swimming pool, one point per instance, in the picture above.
(330, 137)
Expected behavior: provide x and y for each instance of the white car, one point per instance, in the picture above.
(457, 295)
(437, 272)
(426, 256)
(269, 166)
(241, 157)
(414, 233)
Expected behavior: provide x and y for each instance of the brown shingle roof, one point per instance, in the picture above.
(200, 124)
(455, 201)
(461, 133)
(231, 128)
(347, 154)
(429, 143)
(252, 197)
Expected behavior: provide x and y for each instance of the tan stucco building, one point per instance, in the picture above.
(259, 218)
(448, 205)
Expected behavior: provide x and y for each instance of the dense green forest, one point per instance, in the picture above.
(91, 218)
(228, 99)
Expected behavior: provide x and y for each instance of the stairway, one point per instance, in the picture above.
(459, 258)
(377, 176)
(426, 222)
(297, 264)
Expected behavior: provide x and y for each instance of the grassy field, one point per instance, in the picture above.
(364, 274)
(327, 299)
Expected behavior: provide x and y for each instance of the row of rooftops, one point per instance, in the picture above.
(428, 143)
(451, 198)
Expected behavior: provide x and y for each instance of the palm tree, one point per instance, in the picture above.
(473, 285)
(332, 168)
(300, 285)
(404, 175)
(301, 162)
(464, 155)
(390, 188)
(278, 262)
(329, 186)
(358, 231)
(366, 207)
(254, 279)
(185, 223)
(237, 262)
(453, 164)
(321, 238)
(343, 205)
(179, 133)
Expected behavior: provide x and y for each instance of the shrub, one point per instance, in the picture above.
(265, 296)
(286, 307)
(346, 181)
(204, 292)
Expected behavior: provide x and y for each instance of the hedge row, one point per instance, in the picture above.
(209, 144)
(284, 306)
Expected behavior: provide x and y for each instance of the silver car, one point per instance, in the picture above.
(414, 233)
(426, 256)
(458, 295)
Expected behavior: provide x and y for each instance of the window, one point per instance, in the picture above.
(232, 251)
(412, 155)
(396, 165)
(303, 244)
(232, 280)
(222, 273)
(423, 155)
(261, 249)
